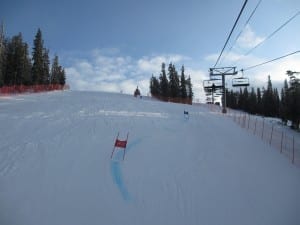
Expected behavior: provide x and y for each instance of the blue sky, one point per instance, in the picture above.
(115, 45)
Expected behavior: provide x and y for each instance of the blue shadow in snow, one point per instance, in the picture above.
(115, 168)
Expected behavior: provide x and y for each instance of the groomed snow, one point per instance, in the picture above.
(55, 166)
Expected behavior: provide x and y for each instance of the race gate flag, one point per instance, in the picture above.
(120, 144)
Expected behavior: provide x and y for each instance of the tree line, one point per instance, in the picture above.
(169, 85)
(17, 67)
(269, 102)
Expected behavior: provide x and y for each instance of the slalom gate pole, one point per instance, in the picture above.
(293, 160)
(125, 146)
(114, 146)
(112, 152)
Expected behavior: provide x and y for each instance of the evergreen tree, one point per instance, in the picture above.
(269, 101)
(183, 92)
(173, 81)
(38, 67)
(276, 101)
(55, 70)
(57, 74)
(164, 83)
(26, 64)
(10, 67)
(2, 66)
(267, 98)
(137, 92)
(235, 98)
(175, 86)
(246, 100)
(18, 63)
(62, 76)
(283, 109)
(54, 74)
(177, 82)
(294, 100)
(231, 99)
(2, 55)
(252, 102)
(190, 93)
(259, 102)
(241, 100)
(154, 86)
(151, 85)
(45, 76)
(15, 64)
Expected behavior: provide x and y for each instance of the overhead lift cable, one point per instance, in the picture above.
(231, 32)
(281, 57)
(272, 34)
(247, 22)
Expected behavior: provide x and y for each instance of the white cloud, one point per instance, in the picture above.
(245, 42)
(277, 71)
(153, 64)
(233, 59)
(249, 39)
(211, 57)
(107, 70)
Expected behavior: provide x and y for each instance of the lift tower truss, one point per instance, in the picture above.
(223, 71)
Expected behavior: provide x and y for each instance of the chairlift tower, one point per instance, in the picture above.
(223, 71)
(211, 86)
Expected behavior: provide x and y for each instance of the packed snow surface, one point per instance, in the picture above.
(56, 166)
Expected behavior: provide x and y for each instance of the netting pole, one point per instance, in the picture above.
(255, 125)
(263, 126)
(281, 144)
(242, 120)
(248, 121)
(293, 160)
(271, 134)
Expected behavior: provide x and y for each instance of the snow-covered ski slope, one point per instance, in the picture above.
(55, 166)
